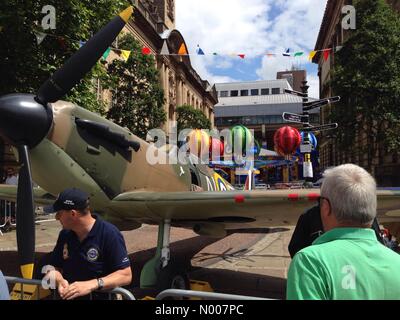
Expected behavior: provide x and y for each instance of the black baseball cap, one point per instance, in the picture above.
(69, 199)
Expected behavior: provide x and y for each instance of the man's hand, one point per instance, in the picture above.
(78, 289)
(62, 286)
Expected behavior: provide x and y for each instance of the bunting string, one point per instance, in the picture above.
(182, 51)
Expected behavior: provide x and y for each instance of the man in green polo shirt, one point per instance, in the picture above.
(347, 261)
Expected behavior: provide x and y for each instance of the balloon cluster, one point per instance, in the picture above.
(200, 143)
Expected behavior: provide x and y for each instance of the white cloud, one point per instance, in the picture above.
(253, 27)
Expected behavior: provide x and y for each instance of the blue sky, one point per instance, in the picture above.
(253, 28)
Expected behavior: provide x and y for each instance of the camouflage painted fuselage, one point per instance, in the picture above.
(127, 190)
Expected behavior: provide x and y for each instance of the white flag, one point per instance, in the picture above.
(164, 49)
(40, 36)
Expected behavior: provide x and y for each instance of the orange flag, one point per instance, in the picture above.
(182, 49)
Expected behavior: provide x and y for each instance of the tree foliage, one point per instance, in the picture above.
(190, 118)
(25, 65)
(139, 99)
(367, 77)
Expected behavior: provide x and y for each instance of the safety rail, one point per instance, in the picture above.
(8, 216)
(204, 295)
(5, 215)
(14, 280)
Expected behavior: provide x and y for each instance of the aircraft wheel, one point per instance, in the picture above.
(173, 277)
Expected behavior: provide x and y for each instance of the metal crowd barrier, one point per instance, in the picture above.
(116, 291)
(5, 214)
(203, 295)
(127, 295)
(7, 219)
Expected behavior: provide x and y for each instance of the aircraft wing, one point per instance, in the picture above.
(240, 209)
(41, 196)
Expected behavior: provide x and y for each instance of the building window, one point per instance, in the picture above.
(265, 91)
(244, 93)
(234, 93)
(254, 92)
(223, 94)
(276, 90)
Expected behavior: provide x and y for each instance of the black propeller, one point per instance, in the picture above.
(82, 61)
(25, 121)
(25, 222)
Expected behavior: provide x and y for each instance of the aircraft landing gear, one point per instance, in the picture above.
(160, 272)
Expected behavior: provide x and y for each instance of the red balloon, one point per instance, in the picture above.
(287, 139)
(216, 147)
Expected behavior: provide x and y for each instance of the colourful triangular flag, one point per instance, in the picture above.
(338, 48)
(271, 54)
(62, 42)
(299, 54)
(81, 43)
(287, 53)
(106, 53)
(182, 49)
(327, 52)
(146, 51)
(164, 49)
(241, 55)
(199, 51)
(312, 55)
(40, 36)
(125, 54)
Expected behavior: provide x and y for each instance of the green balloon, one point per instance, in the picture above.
(241, 134)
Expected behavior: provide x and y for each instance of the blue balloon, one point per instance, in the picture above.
(312, 139)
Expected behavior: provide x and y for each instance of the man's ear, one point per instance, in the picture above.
(325, 209)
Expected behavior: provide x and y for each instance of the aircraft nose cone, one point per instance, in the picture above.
(23, 120)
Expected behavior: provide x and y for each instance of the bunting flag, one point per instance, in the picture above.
(299, 54)
(40, 36)
(146, 51)
(62, 42)
(199, 51)
(106, 53)
(287, 53)
(338, 48)
(271, 54)
(81, 43)
(326, 54)
(125, 54)
(182, 49)
(312, 55)
(164, 49)
(241, 55)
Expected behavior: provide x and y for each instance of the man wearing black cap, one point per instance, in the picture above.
(90, 254)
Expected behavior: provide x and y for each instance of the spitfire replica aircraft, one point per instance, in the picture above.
(62, 145)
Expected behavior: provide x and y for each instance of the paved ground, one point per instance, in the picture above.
(242, 263)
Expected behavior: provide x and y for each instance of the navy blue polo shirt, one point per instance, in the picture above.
(102, 252)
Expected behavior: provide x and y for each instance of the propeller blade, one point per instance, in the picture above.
(25, 215)
(62, 81)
